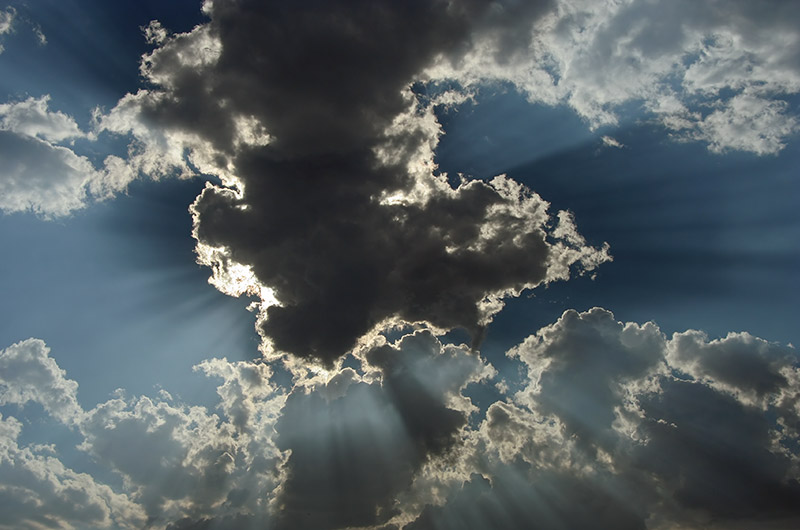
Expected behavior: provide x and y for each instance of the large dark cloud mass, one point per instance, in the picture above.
(618, 426)
(332, 202)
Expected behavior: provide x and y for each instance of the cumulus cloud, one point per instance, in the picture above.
(32, 117)
(715, 72)
(174, 461)
(335, 452)
(325, 205)
(619, 426)
(613, 425)
(329, 194)
(357, 442)
(304, 149)
(28, 373)
(43, 176)
(38, 491)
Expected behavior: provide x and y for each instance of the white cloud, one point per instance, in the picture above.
(6, 23)
(6, 19)
(28, 373)
(175, 460)
(748, 123)
(155, 33)
(32, 117)
(38, 491)
(44, 177)
(599, 56)
(609, 141)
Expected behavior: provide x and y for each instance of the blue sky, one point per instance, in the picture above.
(385, 344)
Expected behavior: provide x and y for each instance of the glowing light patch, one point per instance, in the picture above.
(250, 131)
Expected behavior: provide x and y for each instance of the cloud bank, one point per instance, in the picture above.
(613, 425)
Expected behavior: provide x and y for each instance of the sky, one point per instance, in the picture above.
(435, 264)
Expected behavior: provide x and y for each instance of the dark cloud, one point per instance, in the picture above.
(516, 500)
(340, 213)
(615, 426)
(355, 446)
(713, 454)
(606, 415)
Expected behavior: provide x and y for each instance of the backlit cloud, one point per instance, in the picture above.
(316, 128)
(329, 192)
(608, 432)
(718, 72)
(613, 425)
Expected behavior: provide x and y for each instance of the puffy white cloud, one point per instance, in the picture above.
(38, 491)
(729, 63)
(28, 373)
(32, 117)
(41, 176)
(619, 424)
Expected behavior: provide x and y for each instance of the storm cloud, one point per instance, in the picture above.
(329, 193)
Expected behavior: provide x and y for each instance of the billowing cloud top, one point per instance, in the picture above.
(613, 425)
(329, 196)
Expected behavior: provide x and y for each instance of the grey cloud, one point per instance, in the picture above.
(670, 432)
(616, 426)
(337, 203)
(516, 499)
(581, 368)
(714, 455)
(739, 362)
(354, 451)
